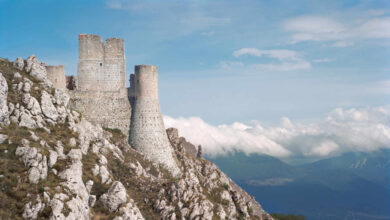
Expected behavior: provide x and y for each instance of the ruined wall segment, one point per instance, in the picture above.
(56, 75)
(101, 94)
(147, 130)
(101, 66)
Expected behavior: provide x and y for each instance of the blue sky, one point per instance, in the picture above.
(225, 61)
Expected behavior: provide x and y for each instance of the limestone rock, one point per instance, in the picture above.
(47, 106)
(115, 196)
(61, 97)
(26, 85)
(36, 69)
(3, 138)
(129, 212)
(34, 175)
(27, 120)
(91, 200)
(31, 210)
(35, 161)
(52, 158)
(89, 185)
(17, 75)
(19, 63)
(4, 114)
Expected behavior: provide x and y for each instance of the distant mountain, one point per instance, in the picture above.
(372, 166)
(255, 166)
(350, 186)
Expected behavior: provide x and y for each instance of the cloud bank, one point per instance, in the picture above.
(343, 34)
(282, 60)
(343, 130)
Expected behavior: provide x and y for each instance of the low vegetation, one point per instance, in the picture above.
(287, 216)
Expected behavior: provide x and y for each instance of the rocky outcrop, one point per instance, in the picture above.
(35, 161)
(47, 106)
(181, 144)
(4, 114)
(35, 68)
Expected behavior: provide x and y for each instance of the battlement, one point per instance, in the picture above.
(56, 75)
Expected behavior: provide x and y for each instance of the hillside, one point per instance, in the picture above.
(54, 164)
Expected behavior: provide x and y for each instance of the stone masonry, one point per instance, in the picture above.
(147, 130)
(56, 74)
(99, 93)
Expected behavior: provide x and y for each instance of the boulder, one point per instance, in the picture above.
(3, 138)
(36, 69)
(115, 196)
(47, 106)
(19, 63)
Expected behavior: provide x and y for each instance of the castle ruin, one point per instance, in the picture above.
(147, 130)
(99, 93)
(56, 75)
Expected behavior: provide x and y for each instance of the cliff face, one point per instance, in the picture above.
(54, 164)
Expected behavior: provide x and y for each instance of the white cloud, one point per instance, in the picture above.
(320, 28)
(342, 44)
(375, 28)
(286, 60)
(365, 129)
(325, 60)
(175, 18)
(231, 64)
(278, 54)
(376, 12)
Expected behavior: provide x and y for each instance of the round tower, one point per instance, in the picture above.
(147, 130)
(56, 75)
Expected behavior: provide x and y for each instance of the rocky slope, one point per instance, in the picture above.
(56, 165)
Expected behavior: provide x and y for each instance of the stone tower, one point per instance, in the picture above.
(147, 130)
(101, 93)
(101, 66)
(56, 75)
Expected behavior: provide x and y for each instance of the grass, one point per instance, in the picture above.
(279, 216)
(14, 185)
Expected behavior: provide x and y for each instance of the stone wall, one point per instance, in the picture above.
(101, 94)
(101, 66)
(56, 75)
(147, 130)
(107, 109)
